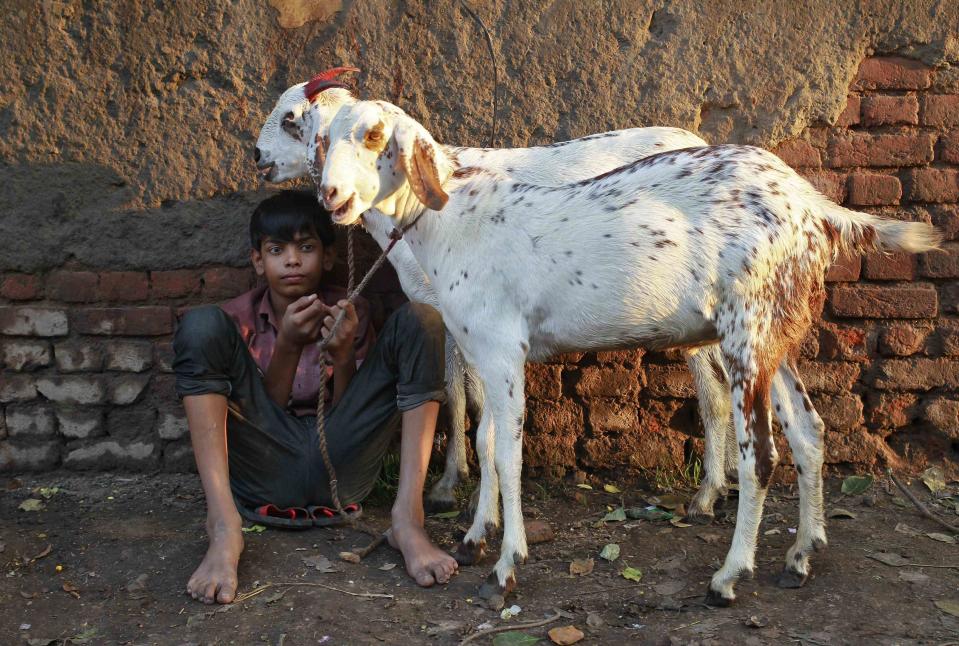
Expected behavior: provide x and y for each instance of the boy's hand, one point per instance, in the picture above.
(340, 347)
(303, 320)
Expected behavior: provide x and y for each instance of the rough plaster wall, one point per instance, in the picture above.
(128, 127)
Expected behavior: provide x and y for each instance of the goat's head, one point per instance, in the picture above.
(301, 111)
(371, 151)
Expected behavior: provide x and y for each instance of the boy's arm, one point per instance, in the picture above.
(282, 370)
(301, 324)
(341, 348)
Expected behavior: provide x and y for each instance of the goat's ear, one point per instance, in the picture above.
(417, 156)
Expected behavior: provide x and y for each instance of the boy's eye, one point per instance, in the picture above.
(275, 250)
(306, 247)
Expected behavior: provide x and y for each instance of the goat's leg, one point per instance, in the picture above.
(804, 429)
(712, 389)
(506, 399)
(486, 518)
(475, 398)
(752, 416)
(441, 496)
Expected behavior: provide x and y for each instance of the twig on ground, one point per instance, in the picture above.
(252, 593)
(921, 507)
(364, 552)
(499, 629)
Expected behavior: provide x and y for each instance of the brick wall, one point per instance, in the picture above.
(85, 354)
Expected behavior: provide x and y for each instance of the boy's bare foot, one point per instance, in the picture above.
(215, 579)
(425, 562)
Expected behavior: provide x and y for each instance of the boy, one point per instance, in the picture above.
(248, 376)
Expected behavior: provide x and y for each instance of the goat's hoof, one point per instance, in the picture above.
(791, 578)
(717, 600)
(438, 505)
(492, 588)
(469, 553)
(698, 517)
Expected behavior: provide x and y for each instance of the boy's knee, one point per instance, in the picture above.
(203, 323)
(422, 318)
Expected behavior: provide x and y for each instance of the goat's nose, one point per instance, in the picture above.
(329, 194)
(256, 154)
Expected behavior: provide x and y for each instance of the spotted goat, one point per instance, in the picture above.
(285, 150)
(707, 245)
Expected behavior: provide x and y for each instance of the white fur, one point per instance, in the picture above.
(719, 244)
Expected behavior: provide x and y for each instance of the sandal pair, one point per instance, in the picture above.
(299, 517)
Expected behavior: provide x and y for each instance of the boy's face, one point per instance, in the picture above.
(293, 269)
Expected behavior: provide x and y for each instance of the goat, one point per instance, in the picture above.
(286, 145)
(691, 247)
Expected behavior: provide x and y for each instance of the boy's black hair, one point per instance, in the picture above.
(282, 216)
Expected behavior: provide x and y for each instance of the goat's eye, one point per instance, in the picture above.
(291, 127)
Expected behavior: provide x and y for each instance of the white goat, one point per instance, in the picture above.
(686, 248)
(302, 114)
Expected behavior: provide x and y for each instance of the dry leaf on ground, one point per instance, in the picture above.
(565, 635)
(579, 567)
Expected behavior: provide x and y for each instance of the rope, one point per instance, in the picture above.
(492, 55)
(325, 364)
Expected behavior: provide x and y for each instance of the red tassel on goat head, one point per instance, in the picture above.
(325, 80)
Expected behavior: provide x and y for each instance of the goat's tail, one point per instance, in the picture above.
(864, 232)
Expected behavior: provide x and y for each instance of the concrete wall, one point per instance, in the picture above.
(126, 183)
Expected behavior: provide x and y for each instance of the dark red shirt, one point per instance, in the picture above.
(253, 315)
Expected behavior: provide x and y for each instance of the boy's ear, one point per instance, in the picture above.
(256, 258)
(329, 257)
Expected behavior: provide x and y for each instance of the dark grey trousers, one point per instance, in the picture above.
(274, 456)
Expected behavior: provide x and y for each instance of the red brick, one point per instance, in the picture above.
(226, 282)
(845, 269)
(839, 412)
(544, 381)
(653, 444)
(949, 147)
(950, 297)
(943, 414)
(933, 185)
(875, 301)
(891, 266)
(595, 381)
(175, 284)
(873, 190)
(884, 110)
(865, 450)
(941, 264)
(123, 286)
(20, 287)
(850, 114)
(607, 415)
(671, 380)
(876, 150)
(629, 358)
(798, 154)
(940, 110)
(903, 339)
(72, 286)
(916, 373)
(830, 184)
(891, 410)
(946, 340)
(131, 321)
(552, 431)
(838, 341)
(829, 376)
(945, 217)
(892, 73)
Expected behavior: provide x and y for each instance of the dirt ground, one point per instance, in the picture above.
(107, 558)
